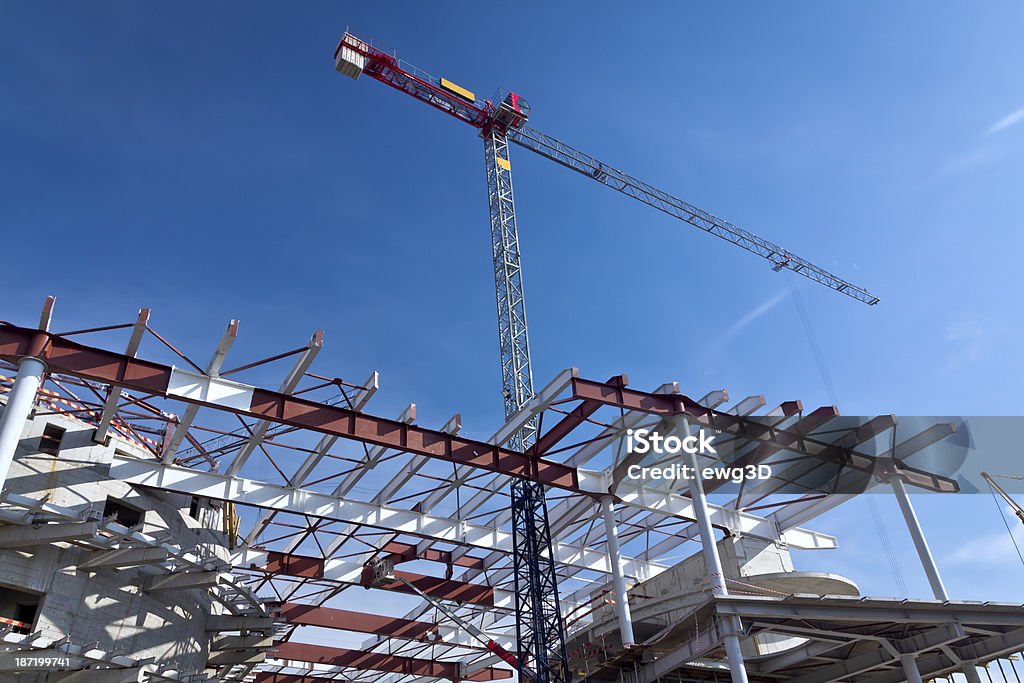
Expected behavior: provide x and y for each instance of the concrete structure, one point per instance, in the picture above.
(98, 575)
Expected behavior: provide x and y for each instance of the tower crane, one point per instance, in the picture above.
(540, 633)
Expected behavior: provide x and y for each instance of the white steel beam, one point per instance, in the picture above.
(14, 536)
(123, 557)
(739, 523)
(291, 381)
(213, 370)
(452, 426)
(325, 444)
(114, 392)
(313, 504)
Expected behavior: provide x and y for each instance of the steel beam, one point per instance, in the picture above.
(114, 392)
(750, 430)
(361, 622)
(123, 557)
(357, 574)
(213, 370)
(180, 581)
(230, 622)
(871, 609)
(375, 661)
(12, 536)
(924, 553)
(153, 474)
(69, 357)
(288, 385)
(19, 406)
(730, 626)
(620, 594)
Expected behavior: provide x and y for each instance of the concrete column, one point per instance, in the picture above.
(731, 626)
(618, 580)
(19, 406)
(910, 669)
(920, 543)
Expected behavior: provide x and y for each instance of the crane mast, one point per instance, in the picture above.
(540, 632)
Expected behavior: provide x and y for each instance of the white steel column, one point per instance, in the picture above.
(618, 580)
(927, 560)
(19, 405)
(910, 669)
(731, 626)
(923, 551)
(970, 670)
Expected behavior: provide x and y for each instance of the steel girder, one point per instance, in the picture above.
(355, 573)
(376, 661)
(69, 357)
(258, 494)
(754, 431)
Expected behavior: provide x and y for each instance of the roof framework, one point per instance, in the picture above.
(323, 486)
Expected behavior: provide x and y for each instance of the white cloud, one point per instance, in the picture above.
(972, 338)
(1008, 121)
(992, 548)
(717, 344)
(754, 314)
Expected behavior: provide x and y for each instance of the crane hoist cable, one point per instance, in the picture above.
(997, 493)
(826, 379)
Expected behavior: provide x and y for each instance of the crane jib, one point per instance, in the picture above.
(778, 256)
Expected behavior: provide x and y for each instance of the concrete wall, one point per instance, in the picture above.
(107, 606)
(669, 598)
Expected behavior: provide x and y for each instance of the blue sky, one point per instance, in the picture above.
(207, 161)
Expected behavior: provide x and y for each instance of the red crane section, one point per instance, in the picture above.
(354, 56)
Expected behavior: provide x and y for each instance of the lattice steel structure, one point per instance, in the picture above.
(324, 488)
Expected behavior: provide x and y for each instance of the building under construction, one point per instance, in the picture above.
(166, 518)
(141, 543)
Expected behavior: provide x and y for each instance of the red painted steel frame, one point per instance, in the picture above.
(374, 661)
(69, 357)
(752, 430)
(360, 622)
(443, 589)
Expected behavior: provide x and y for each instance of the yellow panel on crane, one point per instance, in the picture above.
(503, 163)
(458, 90)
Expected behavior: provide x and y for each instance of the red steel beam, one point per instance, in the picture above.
(373, 661)
(346, 620)
(677, 404)
(407, 552)
(69, 357)
(436, 587)
(572, 420)
(443, 589)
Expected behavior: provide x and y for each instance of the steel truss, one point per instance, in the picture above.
(307, 545)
